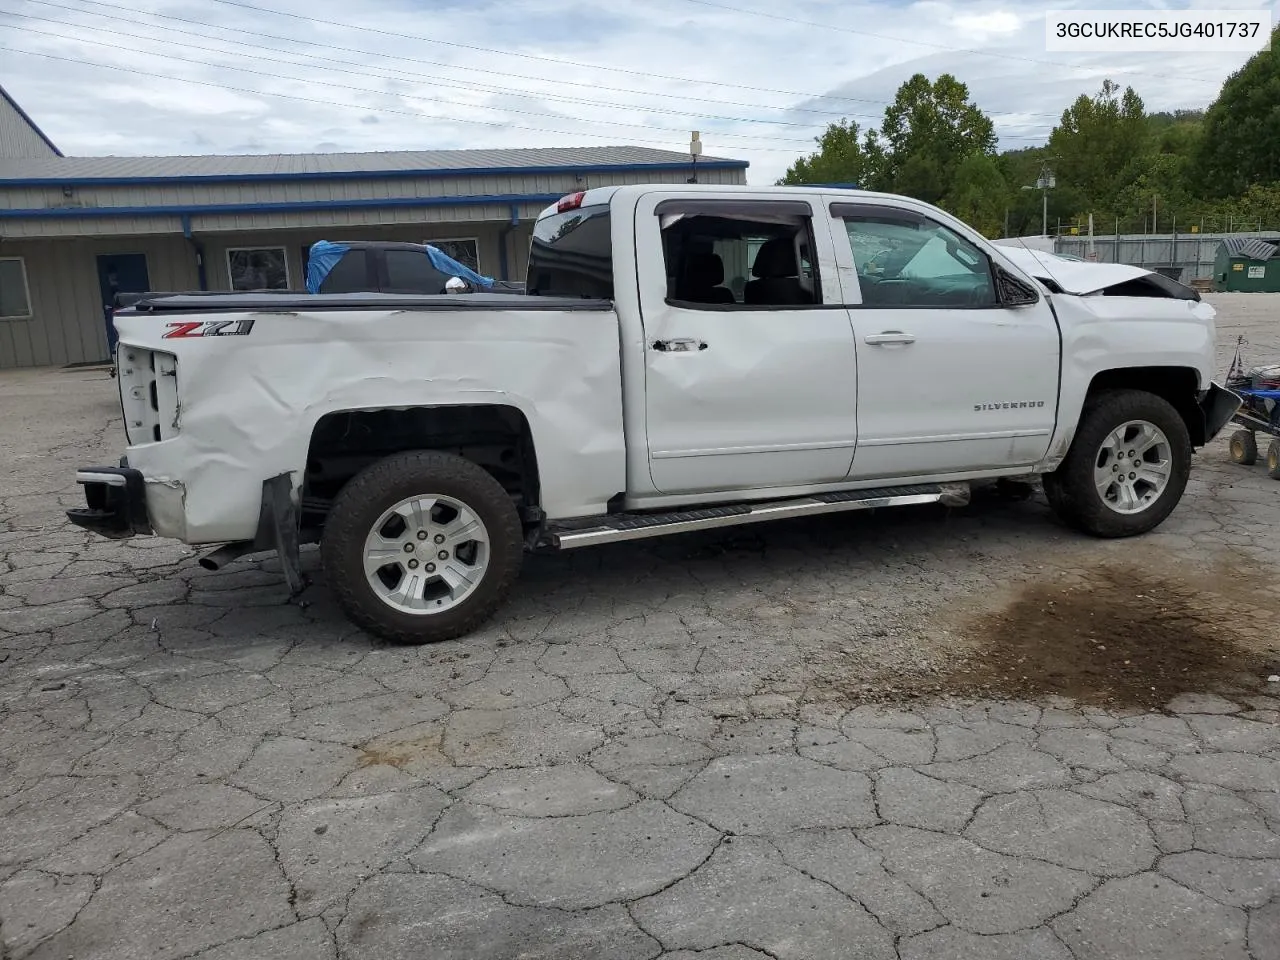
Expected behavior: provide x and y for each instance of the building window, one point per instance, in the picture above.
(466, 252)
(258, 268)
(15, 301)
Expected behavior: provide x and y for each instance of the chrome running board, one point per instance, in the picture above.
(639, 526)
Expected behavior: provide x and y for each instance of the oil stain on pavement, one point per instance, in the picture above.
(1120, 637)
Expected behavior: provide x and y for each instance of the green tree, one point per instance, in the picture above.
(1021, 167)
(838, 159)
(1241, 143)
(927, 132)
(979, 194)
(1027, 208)
(1158, 177)
(1096, 140)
(1176, 132)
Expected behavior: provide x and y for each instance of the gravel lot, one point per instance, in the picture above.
(922, 734)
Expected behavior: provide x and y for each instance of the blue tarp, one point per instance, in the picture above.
(447, 265)
(325, 255)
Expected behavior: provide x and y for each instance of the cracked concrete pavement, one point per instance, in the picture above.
(722, 747)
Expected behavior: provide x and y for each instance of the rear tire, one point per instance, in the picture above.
(1244, 448)
(422, 547)
(1127, 467)
(1273, 460)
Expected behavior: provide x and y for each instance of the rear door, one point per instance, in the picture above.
(750, 369)
(949, 379)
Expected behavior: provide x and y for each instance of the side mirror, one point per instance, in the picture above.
(456, 285)
(1013, 291)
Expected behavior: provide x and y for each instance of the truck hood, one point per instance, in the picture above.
(1081, 278)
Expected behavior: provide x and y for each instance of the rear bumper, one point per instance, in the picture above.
(115, 502)
(1219, 405)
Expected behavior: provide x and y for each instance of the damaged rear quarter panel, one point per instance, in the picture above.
(1102, 333)
(249, 404)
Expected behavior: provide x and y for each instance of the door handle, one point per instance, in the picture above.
(889, 336)
(679, 345)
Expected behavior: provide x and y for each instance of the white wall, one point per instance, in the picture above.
(67, 325)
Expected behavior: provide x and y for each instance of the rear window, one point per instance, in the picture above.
(409, 271)
(571, 255)
(348, 275)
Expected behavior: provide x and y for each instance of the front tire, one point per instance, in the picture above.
(422, 547)
(1127, 467)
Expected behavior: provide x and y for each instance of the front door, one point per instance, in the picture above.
(120, 273)
(750, 375)
(949, 380)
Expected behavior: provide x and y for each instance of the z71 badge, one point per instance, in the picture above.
(209, 328)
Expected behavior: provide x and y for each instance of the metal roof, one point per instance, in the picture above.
(1251, 247)
(30, 123)
(339, 165)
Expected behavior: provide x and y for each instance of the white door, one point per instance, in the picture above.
(949, 379)
(750, 369)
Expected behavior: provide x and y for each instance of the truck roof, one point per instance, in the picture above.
(596, 196)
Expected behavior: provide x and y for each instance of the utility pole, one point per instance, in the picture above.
(1153, 214)
(1044, 183)
(695, 151)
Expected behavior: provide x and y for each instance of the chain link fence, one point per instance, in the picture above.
(1186, 257)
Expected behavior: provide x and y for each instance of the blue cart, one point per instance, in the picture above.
(1259, 413)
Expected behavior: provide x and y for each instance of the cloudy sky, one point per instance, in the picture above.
(758, 78)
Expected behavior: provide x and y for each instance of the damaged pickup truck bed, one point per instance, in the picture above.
(686, 357)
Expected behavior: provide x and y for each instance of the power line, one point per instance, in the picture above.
(352, 106)
(482, 70)
(489, 88)
(441, 100)
(425, 99)
(394, 75)
(648, 75)
(911, 40)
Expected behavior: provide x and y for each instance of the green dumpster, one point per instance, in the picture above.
(1247, 264)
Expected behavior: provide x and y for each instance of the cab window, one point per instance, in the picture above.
(736, 255)
(903, 260)
(571, 255)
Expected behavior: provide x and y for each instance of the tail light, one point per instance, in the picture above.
(148, 382)
(572, 202)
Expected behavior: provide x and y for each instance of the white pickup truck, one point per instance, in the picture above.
(686, 357)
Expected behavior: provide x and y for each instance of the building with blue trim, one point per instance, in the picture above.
(75, 229)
